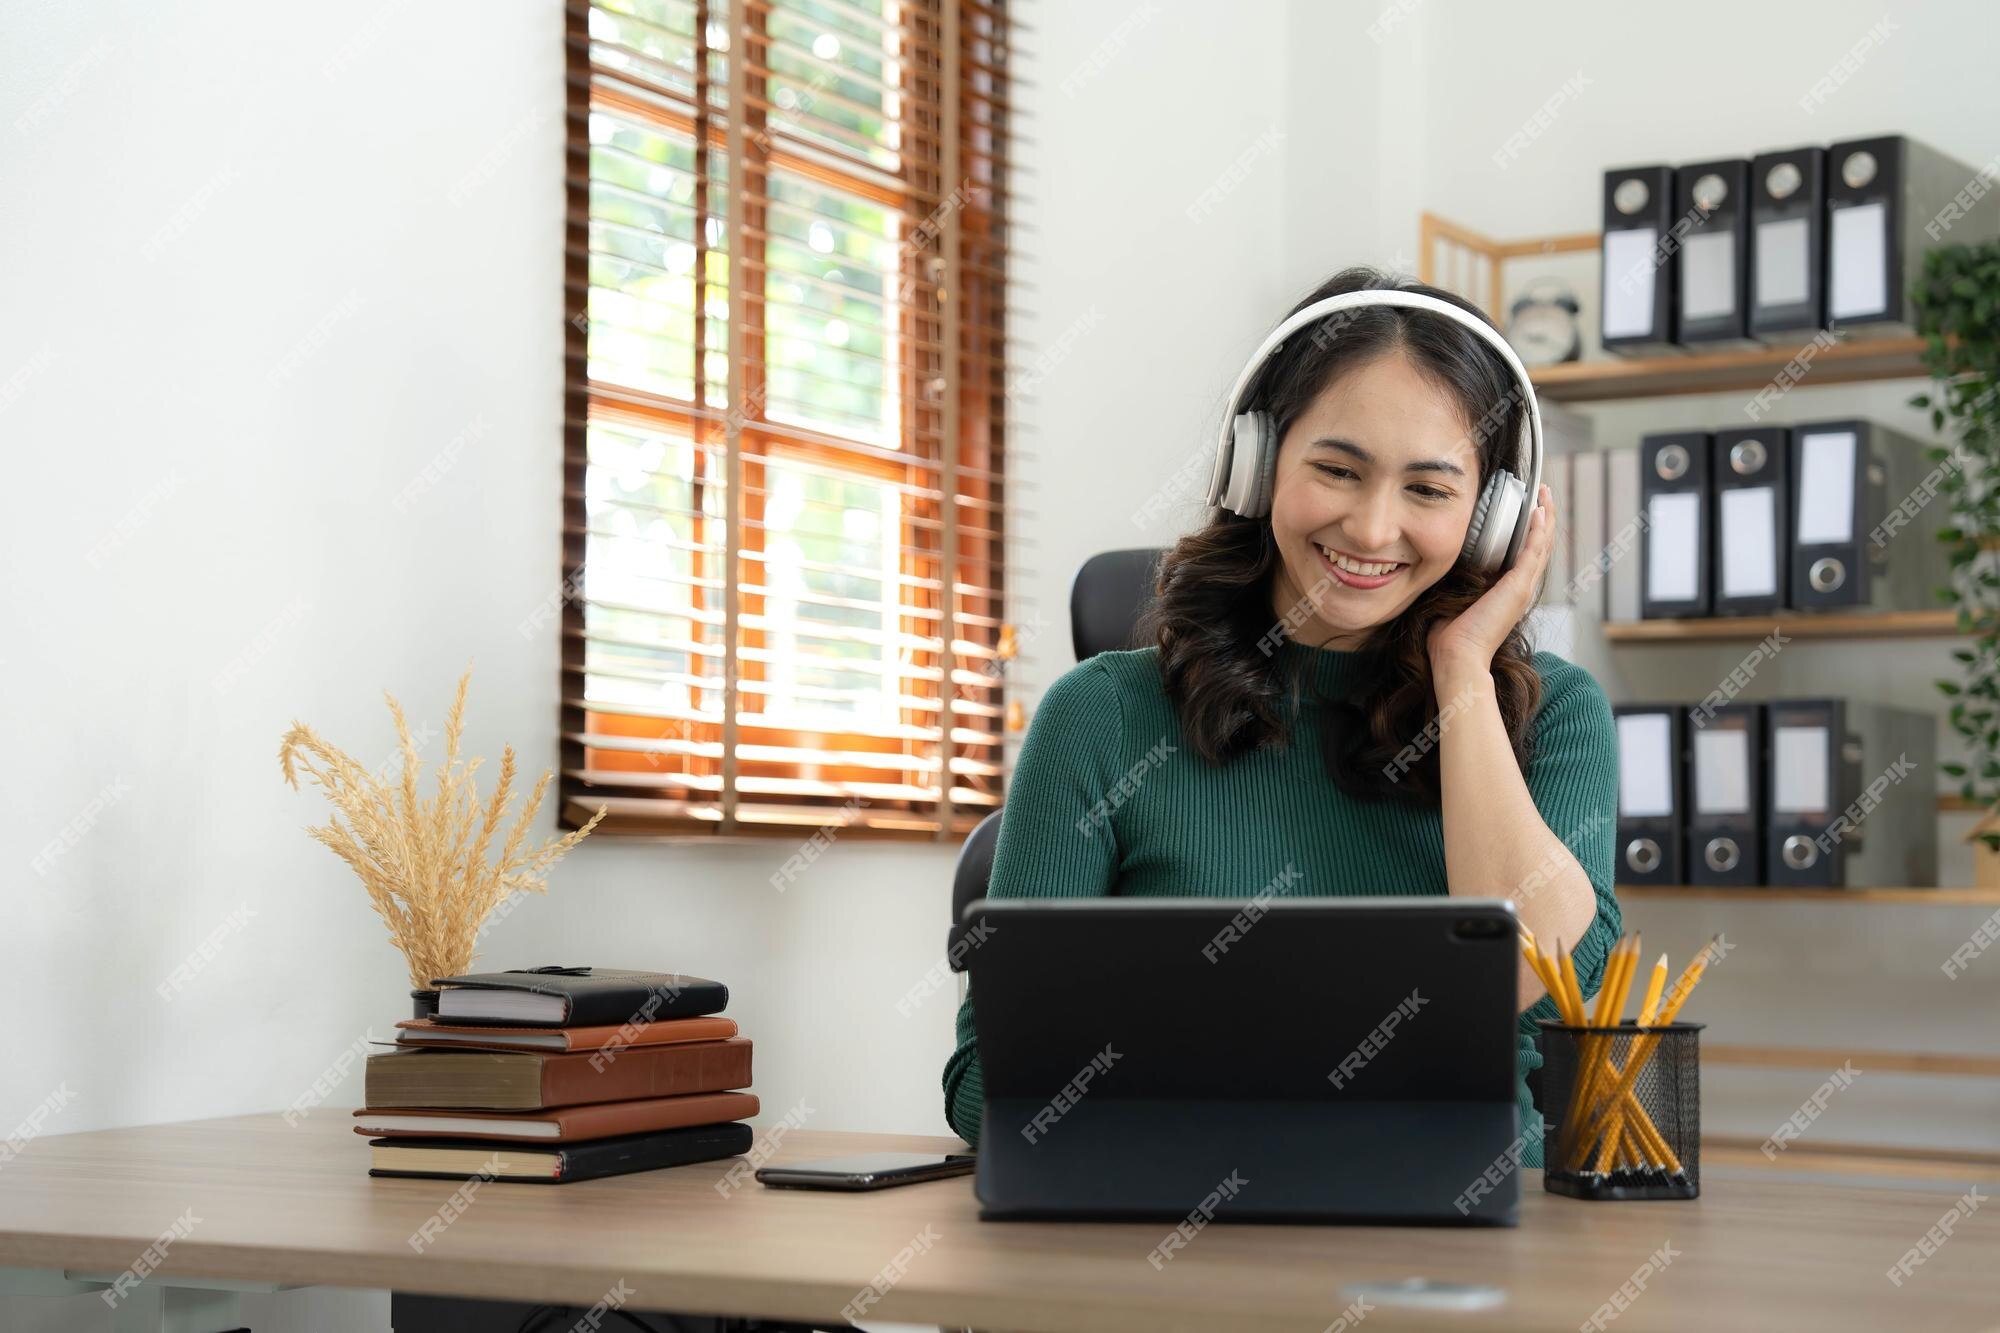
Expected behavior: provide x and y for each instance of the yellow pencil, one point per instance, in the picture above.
(1560, 984)
(1589, 1075)
(1532, 953)
(1689, 979)
(1629, 1118)
(1630, 1139)
(1570, 987)
(1541, 974)
(1556, 988)
(1651, 1007)
(1602, 1014)
(1631, 1123)
(1572, 1008)
(1619, 983)
(1641, 1137)
(1600, 1090)
(1624, 984)
(1612, 966)
(1546, 969)
(1614, 1105)
(1649, 1134)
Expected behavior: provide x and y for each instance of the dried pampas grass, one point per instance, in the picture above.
(424, 861)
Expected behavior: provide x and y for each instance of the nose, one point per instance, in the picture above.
(1371, 527)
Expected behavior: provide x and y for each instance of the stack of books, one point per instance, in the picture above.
(560, 1074)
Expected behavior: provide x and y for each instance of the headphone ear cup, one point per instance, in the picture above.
(1251, 462)
(1491, 536)
(1267, 461)
(1469, 552)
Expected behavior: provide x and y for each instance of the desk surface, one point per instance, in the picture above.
(295, 1205)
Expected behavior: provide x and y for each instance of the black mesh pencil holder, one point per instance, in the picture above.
(1615, 1131)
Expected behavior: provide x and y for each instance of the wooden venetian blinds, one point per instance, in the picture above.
(783, 462)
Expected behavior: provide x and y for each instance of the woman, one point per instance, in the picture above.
(1335, 704)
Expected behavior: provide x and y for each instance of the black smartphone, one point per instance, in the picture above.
(866, 1171)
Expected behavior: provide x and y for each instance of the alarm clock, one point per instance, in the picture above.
(1542, 324)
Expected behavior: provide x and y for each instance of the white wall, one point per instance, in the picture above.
(208, 447)
(245, 314)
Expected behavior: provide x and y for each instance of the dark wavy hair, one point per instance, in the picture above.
(1211, 615)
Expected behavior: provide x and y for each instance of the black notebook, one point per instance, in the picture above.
(458, 1159)
(576, 997)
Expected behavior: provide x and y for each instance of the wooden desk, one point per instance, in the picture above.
(295, 1206)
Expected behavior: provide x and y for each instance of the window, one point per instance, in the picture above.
(783, 428)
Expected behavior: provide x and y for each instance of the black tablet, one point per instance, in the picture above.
(1326, 1059)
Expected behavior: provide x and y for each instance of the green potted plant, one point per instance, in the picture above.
(1958, 313)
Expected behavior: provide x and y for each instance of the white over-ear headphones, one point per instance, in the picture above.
(1246, 457)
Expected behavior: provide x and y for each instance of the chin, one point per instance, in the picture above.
(1365, 624)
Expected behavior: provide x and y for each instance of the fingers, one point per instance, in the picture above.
(1526, 572)
(1541, 533)
(1535, 547)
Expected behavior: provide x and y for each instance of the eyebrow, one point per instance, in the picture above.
(1421, 465)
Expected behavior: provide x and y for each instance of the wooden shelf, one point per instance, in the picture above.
(1952, 897)
(1826, 625)
(1470, 263)
(1750, 369)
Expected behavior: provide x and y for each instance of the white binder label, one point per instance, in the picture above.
(1860, 246)
(1673, 546)
(1826, 488)
(1721, 771)
(1780, 267)
(1748, 531)
(1628, 282)
(1708, 276)
(1799, 770)
(1645, 765)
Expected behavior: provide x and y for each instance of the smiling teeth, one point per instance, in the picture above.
(1365, 568)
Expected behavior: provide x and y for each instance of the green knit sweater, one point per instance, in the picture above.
(1188, 828)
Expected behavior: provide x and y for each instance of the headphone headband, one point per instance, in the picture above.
(1390, 296)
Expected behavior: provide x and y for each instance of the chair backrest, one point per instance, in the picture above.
(968, 883)
(1106, 598)
(1111, 590)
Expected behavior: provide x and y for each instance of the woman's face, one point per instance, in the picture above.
(1374, 490)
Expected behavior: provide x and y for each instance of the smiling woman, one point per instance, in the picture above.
(1339, 699)
(1386, 433)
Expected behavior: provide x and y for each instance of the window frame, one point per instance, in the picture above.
(951, 293)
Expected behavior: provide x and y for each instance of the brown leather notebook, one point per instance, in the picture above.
(568, 1124)
(486, 1037)
(525, 1080)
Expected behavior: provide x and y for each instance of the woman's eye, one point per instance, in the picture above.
(1340, 473)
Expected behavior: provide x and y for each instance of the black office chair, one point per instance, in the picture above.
(1106, 598)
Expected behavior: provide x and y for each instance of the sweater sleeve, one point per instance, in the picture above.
(1057, 838)
(1573, 777)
